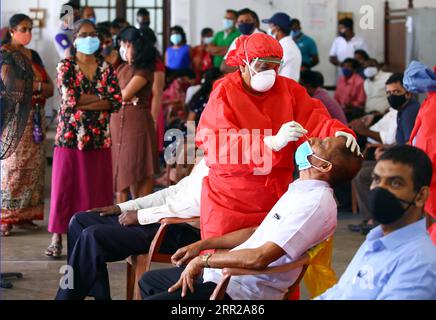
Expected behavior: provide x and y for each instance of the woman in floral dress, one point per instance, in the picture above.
(23, 173)
(82, 164)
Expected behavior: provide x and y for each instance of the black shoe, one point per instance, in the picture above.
(356, 227)
(366, 228)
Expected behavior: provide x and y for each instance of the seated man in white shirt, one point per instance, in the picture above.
(305, 216)
(114, 233)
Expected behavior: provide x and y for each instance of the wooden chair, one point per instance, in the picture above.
(138, 265)
(304, 261)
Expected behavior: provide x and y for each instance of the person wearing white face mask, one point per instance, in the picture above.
(134, 151)
(375, 88)
(275, 113)
(280, 29)
(201, 59)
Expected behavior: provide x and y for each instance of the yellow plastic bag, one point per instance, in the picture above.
(320, 276)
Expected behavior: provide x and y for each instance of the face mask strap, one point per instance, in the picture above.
(247, 62)
(320, 159)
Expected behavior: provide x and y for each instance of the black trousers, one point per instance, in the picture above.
(94, 240)
(154, 285)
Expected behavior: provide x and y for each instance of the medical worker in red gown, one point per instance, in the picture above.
(421, 79)
(235, 195)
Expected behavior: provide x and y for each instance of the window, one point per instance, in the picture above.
(105, 10)
(156, 9)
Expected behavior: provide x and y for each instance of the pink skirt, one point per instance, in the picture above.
(81, 180)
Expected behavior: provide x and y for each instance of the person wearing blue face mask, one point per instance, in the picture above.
(179, 55)
(88, 13)
(223, 39)
(248, 24)
(350, 90)
(82, 155)
(305, 216)
(306, 44)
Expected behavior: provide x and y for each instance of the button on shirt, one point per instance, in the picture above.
(399, 266)
(375, 90)
(292, 59)
(343, 49)
(179, 201)
(304, 217)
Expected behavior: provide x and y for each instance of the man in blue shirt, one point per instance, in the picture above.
(398, 259)
(307, 45)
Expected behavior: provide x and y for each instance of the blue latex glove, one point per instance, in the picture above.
(419, 78)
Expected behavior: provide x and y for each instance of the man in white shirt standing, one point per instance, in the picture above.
(114, 233)
(346, 43)
(375, 88)
(280, 28)
(304, 217)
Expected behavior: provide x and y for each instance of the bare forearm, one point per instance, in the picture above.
(228, 241)
(373, 135)
(103, 105)
(86, 99)
(216, 50)
(335, 61)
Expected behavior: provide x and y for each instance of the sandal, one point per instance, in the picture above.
(5, 230)
(54, 250)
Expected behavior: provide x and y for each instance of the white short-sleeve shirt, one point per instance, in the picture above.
(292, 59)
(305, 216)
(343, 49)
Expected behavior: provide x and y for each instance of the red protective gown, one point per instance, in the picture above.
(424, 137)
(233, 198)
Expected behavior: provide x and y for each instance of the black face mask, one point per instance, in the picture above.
(343, 34)
(396, 102)
(385, 207)
(106, 51)
(246, 28)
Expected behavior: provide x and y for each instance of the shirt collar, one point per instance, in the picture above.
(376, 239)
(304, 185)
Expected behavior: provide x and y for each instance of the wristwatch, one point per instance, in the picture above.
(205, 258)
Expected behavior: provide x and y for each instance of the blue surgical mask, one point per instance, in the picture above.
(93, 20)
(295, 34)
(347, 72)
(228, 24)
(246, 28)
(88, 45)
(302, 157)
(176, 39)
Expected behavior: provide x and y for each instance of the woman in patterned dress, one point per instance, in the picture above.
(82, 164)
(23, 173)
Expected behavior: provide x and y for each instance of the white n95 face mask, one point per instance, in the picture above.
(261, 81)
(123, 53)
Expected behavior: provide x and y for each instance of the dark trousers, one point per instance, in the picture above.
(363, 182)
(154, 285)
(93, 241)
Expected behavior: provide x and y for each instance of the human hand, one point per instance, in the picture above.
(351, 142)
(107, 211)
(185, 254)
(289, 132)
(128, 219)
(190, 274)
